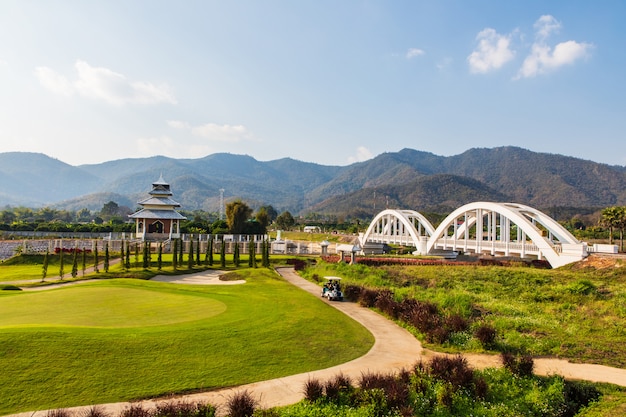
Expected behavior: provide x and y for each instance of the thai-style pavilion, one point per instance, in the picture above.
(158, 218)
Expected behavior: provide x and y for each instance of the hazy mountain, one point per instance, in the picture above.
(405, 179)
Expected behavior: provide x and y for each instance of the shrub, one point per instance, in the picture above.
(94, 411)
(486, 335)
(367, 297)
(525, 366)
(578, 394)
(135, 411)
(60, 412)
(457, 323)
(241, 404)
(582, 287)
(352, 292)
(331, 388)
(454, 370)
(313, 390)
(343, 382)
(371, 380)
(386, 302)
(521, 366)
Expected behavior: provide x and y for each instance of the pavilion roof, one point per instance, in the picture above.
(159, 201)
(157, 214)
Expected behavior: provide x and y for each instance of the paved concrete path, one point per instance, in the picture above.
(394, 349)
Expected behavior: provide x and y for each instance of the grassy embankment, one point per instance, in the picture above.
(579, 314)
(121, 339)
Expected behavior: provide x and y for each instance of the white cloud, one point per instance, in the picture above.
(177, 124)
(53, 81)
(165, 145)
(362, 154)
(493, 51)
(545, 26)
(544, 58)
(414, 52)
(215, 132)
(100, 83)
(224, 133)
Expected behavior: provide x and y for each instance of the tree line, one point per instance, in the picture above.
(240, 219)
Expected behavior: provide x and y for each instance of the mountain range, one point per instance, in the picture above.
(407, 179)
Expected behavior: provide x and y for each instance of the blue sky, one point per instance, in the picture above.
(331, 82)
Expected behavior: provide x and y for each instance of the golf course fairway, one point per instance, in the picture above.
(125, 339)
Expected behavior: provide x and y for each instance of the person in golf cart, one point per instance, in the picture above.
(332, 289)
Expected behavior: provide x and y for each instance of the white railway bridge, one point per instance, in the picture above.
(497, 229)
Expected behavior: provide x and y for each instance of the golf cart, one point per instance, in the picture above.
(332, 289)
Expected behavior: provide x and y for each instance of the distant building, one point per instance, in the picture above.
(312, 229)
(158, 218)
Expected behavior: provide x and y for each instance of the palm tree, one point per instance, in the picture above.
(614, 218)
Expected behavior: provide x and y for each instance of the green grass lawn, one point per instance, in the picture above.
(123, 339)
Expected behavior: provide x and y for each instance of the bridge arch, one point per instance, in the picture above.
(507, 229)
(498, 229)
(405, 227)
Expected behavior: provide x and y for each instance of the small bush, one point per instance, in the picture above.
(94, 411)
(481, 388)
(519, 365)
(367, 298)
(352, 292)
(135, 411)
(486, 335)
(241, 404)
(343, 382)
(525, 366)
(372, 380)
(457, 323)
(454, 370)
(386, 302)
(582, 287)
(578, 394)
(331, 388)
(313, 390)
(60, 412)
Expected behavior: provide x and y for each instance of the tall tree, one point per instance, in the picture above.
(271, 212)
(237, 214)
(122, 255)
(75, 263)
(613, 218)
(263, 218)
(265, 259)
(146, 255)
(210, 250)
(95, 257)
(83, 261)
(285, 221)
(198, 251)
(160, 256)
(250, 252)
(61, 264)
(106, 257)
(175, 254)
(190, 257)
(44, 268)
(127, 263)
(223, 253)
(236, 254)
(181, 251)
